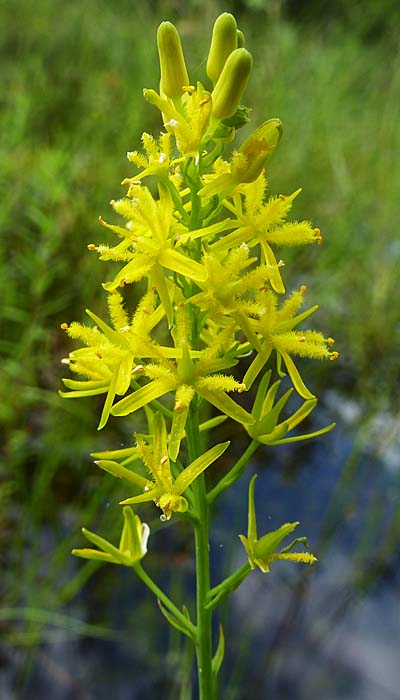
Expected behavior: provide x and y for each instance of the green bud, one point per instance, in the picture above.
(172, 62)
(240, 39)
(223, 42)
(256, 150)
(231, 84)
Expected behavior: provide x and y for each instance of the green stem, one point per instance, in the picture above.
(234, 473)
(148, 581)
(204, 616)
(228, 585)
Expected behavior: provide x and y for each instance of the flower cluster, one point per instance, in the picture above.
(205, 241)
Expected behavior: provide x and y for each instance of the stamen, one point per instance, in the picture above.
(91, 246)
(189, 88)
(282, 197)
(164, 460)
(98, 354)
(331, 342)
(318, 236)
(334, 355)
(303, 289)
(242, 388)
(302, 339)
(137, 369)
(64, 326)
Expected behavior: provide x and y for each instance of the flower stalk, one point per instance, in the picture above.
(211, 324)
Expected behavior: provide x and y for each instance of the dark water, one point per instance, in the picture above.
(330, 632)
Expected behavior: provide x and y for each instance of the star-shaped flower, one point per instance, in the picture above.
(132, 546)
(262, 552)
(163, 487)
(275, 329)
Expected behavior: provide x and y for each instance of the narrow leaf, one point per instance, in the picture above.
(173, 621)
(295, 377)
(113, 336)
(191, 472)
(109, 400)
(308, 436)
(227, 405)
(121, 472)
(141, 397)
(83, 385)
(219, 654)
(87, 553)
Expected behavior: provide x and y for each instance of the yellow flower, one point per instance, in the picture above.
(229, 292)
(132, 546)
(275, 331)
(262, 552)
(263, 224)
(186, 377)
(187, 118)
(108, 361)
(266, 412)
(163, 488)
(149, 243)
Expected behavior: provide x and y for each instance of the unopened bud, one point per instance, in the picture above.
(223, 42)
(256, 150)
(172, 62)
(240, 39)
(231, 84)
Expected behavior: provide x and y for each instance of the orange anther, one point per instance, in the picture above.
(318, 236)
(91, 246)
(99, 355)
(64, 326)
(331, 342)
(282, 197)
(189, 88)
(334, 355)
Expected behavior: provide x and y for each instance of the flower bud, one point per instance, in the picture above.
(240, 39)
(223, 42)
(172, 63)
(231, 84)
(256, 150)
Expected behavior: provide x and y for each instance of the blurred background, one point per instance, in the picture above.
(71, 106)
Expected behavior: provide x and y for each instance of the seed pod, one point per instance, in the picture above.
(256, 150)
(231, 84)
(223, 42)
(172, 62)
